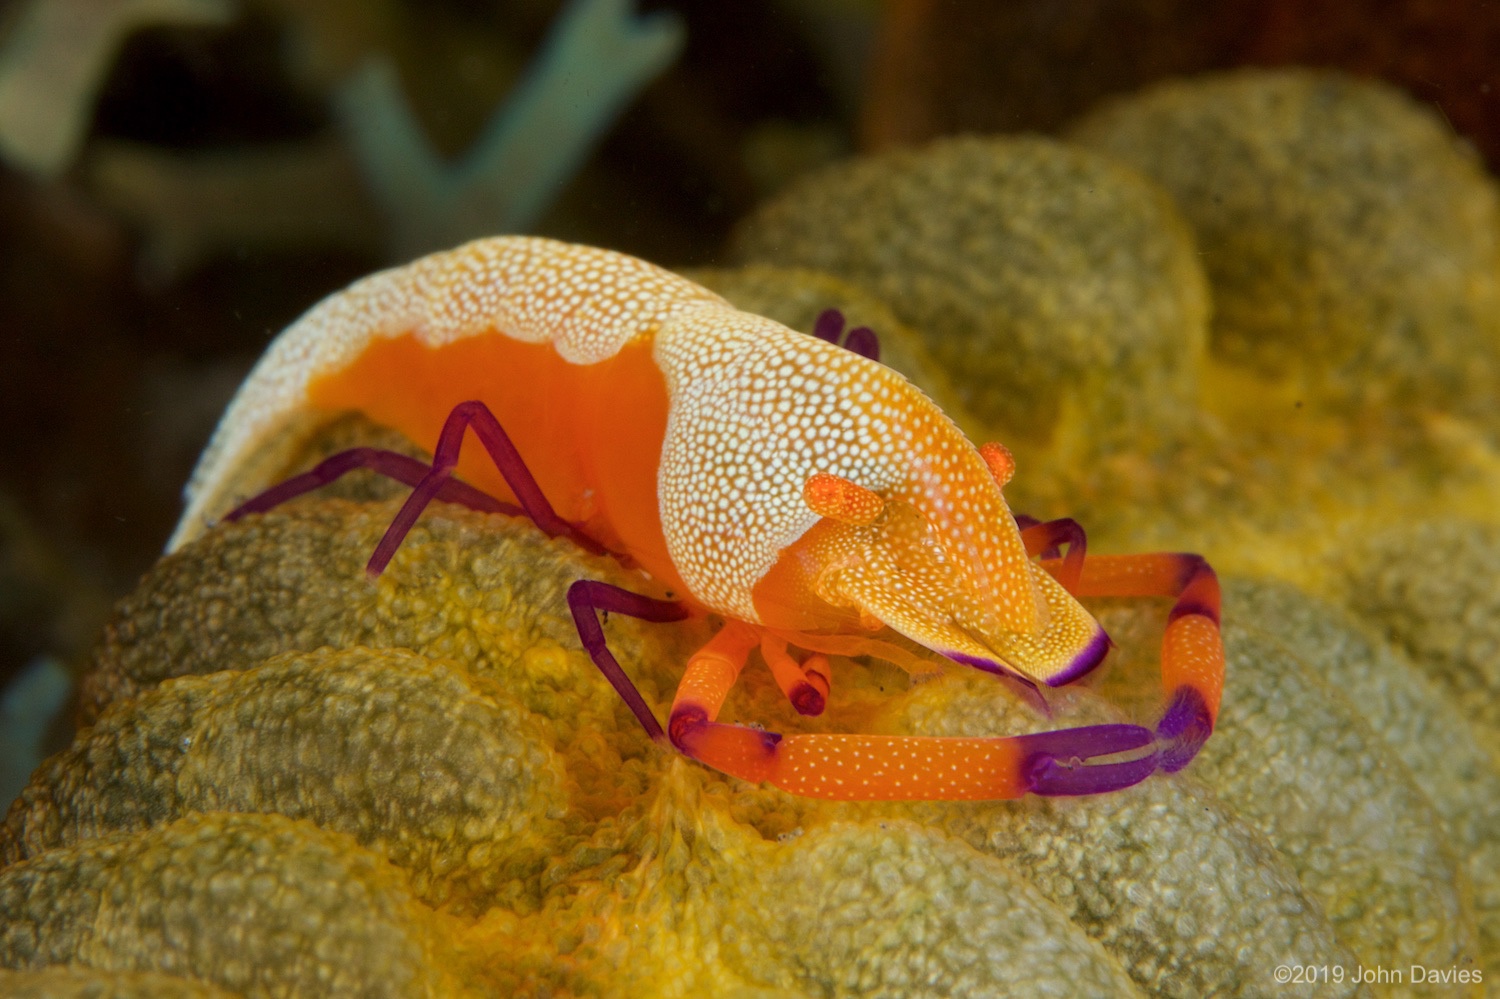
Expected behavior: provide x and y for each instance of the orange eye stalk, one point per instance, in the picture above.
(1002, 463)
(841, 500)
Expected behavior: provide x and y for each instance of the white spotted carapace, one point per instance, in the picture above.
(682, 432)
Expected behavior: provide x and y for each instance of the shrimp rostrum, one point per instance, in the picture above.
(809, 496)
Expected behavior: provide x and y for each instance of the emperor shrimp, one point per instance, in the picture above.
(806, 494)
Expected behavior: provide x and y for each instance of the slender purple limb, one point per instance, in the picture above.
(863, 341)
(1056, 764)
(585, 598)
(391, 464)
(1087, 742)
(828, 326)
(1046, 776)
(1184, 728)
(477, 416)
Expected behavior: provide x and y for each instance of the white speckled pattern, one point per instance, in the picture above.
(757, 409)
(587, 302)
(754, 410)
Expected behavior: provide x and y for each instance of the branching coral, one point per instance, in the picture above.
(598, 56)
(191, 205)
(54, 60)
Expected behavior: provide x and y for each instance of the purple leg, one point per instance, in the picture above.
(829, 324)
(391, 464)
(585, 598)
(1046, 539)
(861, 340)
(507, 459)
(1184, 727)
(1055, 763)
(1046, 776)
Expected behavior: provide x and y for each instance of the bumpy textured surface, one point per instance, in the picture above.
(850, 912)
(409, 756)
(1100, 290)
(1431, 588)
(91, 983)
(1146, 871)
(745, 887)
(459, 589)
(1350, 237)
(257, 904)
(1300, 764)
(1453, 761)
(1345, 812)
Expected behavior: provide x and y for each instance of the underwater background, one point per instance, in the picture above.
(1224, 276)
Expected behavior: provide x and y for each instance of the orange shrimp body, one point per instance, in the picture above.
(807, 494)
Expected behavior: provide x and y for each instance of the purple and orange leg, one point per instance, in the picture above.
(805, 684)
(886, 767)
(1192, 653)
(1047, 538)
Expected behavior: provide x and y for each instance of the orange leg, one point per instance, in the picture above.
(876, 767)
(805, 684)
(1043, 539)
(1192, 653)
(886, 767)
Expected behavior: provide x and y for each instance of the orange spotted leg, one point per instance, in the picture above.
(1192, 655)
(886, 767)
(805, 684)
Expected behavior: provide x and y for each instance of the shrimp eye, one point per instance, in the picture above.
(1002, 463)
(841, 500)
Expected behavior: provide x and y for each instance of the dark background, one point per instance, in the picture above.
(114, 365)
